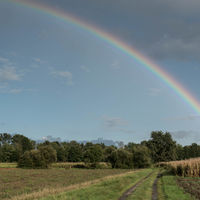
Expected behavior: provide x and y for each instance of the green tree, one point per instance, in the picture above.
(162, 146)
(75, 153)
(121, 158)
(141, 157)
(40, 158)
(93, 154)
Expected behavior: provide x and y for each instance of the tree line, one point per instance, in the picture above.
(159, 148)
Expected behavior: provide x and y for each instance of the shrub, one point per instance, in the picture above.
(141, 157)
(40, 158)
(121, 159)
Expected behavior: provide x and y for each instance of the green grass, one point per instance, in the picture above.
(144, 191)
(8, 165)
(15, 181)
(169, 190)
(109, 190)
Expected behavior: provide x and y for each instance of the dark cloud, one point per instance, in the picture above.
(160, 29)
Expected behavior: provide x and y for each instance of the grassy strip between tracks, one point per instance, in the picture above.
(144, 191)
(110, 189)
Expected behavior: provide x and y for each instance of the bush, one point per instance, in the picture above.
(93, 154)
(141, 157)
(121, 159)
(40, 158)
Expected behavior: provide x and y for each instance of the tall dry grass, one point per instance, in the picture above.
(186, 168)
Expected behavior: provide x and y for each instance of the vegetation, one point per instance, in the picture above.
(61, 159)
(110, 189)
(169, 190)
(187, 168)
(28, 154)
(40, 158)
(17, 181)
(190, 185)
(144, 191)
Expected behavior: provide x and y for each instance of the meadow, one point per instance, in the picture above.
(15, 181)
(66, 183)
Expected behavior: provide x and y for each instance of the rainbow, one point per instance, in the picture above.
(185, 95)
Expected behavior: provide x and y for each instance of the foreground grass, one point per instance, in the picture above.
(110, 189)
(144, 191)
(169, 190)
(16, 181)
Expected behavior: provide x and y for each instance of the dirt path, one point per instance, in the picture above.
(155, 188)
(132, 189)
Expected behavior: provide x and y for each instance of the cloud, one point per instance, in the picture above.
(65, 75)
(37, 62)
(8, 71)
(163, 30)
(84, 68)
(154, 91)
(15, 91)
(183, 134)
(114, 122)
(115, 65)
(184, 118)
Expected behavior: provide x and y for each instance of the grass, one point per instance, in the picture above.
(169, 190)
(110, 189)
(144, 191)
(16, 181)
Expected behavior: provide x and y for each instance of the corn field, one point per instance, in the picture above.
(185, 168)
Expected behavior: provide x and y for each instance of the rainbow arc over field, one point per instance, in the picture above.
(117, 43)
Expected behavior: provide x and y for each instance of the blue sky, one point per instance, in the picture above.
(59, 80)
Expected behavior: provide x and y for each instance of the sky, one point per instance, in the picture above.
(58, 79)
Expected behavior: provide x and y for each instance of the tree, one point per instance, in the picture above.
(22, 144)
(5, 138)
(162, 146)
(93, 154)
(8, 153)
(40, 158)
(121, 158)
(141, 157)
(60, 151)
(75, 152)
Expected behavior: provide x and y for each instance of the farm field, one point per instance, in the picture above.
(16, 181)
(110, 189)
(94, 184)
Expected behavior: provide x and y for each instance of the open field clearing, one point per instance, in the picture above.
(20, 181)
(110, 189)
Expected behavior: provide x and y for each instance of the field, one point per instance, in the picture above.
(15, 181)
(186, 168)
(94, 184)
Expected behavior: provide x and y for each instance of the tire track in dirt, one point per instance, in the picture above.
(155, 188)
(133, 188)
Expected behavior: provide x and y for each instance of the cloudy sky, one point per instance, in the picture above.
(58, 79)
